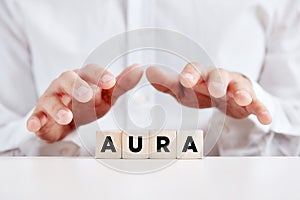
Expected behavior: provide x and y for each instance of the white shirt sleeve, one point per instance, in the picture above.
(17, 88)
(279, 89)
(18, 93)
(280, 75)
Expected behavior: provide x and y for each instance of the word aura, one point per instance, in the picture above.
(164, 144)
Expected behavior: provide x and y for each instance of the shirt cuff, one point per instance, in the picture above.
(31, 145)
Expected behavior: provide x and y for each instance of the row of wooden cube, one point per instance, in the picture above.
(164, 144)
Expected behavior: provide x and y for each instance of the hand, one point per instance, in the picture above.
(79, 96)
(201, 87)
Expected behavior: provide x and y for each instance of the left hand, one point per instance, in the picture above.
(201, 87)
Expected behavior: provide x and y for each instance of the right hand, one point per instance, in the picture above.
(200, 87)
(80, 96)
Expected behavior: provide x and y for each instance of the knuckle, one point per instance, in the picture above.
(66, 74)
(234, 84)
(50, 105)
(245, 78)
(43, 99)
(53, 83)
(76, 70)
(192, 65)
(46, 137)
(91, 67)
(221, 71)
(66, 80)
(55, 107)
(218, 73)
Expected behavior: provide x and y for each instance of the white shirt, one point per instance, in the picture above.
(39, 39)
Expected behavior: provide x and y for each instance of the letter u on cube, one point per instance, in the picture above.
(143, 144)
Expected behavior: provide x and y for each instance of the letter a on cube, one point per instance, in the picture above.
(108, 144)
(189, 144)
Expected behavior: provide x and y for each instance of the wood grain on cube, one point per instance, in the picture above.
(163, 144)
(189, 144)
(108, 144)
(135, 144)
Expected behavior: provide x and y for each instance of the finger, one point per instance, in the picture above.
(71, 84)
(97, 75)
(164, 82)
(56, 109)
(36, 121)
(66, 99)
(191, 75)
(52, 132)
(240, 89)
(217, 82)
(261, 112)
(128, 79)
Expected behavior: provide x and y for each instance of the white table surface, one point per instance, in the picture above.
(211, 178)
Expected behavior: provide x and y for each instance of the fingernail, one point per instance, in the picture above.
(61, 113)
(217, 89)
(33, 124)
(81, 91)
(106, 78)
(189, 77)
(84, 93)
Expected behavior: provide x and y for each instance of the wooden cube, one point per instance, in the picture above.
(135, 144)
(163, 144)
(189, 144)
(108, 144)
